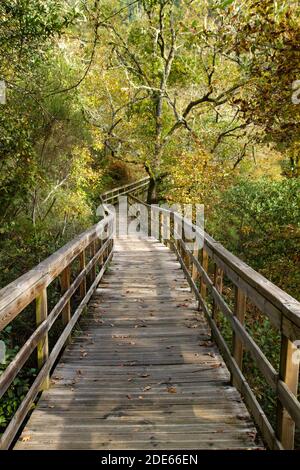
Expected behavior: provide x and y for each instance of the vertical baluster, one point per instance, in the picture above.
(195, 273)
(185, 256)
(100, 261)
(43, 345)
(289, 373)
(168, 230)
(149, 213)
(240, 305)
(218, 283)
(82, 262)
(160, 226)
(203, 287)
(93, 270)
(65, 284)
(172, 229)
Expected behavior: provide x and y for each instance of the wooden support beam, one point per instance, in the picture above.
(43, 345)
(65, 285)
(203, 287)
(82, 262)
(289, 374)
(93, 273)
(240, 306)
(218, 283)
(195, 272)
(160, 225)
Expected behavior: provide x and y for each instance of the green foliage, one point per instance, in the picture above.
(184, 90)
(259, 220)
(20, 386)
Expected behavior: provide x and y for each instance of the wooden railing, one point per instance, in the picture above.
(282, 310)
(137, 188)
(96, 244)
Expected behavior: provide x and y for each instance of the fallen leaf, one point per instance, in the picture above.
(171, 389)
(25, 438)
(146, 389)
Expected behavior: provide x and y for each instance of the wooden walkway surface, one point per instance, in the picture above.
(142, 373)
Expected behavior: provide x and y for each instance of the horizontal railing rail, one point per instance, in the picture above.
(92, 250)
(136, 187)
(282, 310)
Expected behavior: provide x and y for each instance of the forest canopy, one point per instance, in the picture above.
(199, 95)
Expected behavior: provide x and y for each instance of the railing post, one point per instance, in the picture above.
(43, 345)
(82, 262)
(149, 211)
(195, 273)
(289, 373)
(218, 283)
(93, 270)
(240, 305)
(203, 287)
(65, 285)
(167, 229)
(160, 226)
(172, 229)
(100, 260)
(185, 256)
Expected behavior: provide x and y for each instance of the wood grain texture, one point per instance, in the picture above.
(143, 372)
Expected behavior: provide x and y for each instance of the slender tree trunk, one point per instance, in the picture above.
(152, 191)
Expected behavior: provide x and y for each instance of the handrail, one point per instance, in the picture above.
(111, 196)
(96, 244)
(282, 310)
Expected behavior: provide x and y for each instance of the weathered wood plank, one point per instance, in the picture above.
(149, 368)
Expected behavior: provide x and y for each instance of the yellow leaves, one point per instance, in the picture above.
(194, 177)
(246, 230)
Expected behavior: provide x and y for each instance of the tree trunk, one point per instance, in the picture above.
(152, 191)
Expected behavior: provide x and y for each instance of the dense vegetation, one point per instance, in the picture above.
(201, 96)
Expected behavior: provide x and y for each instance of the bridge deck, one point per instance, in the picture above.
(142, 373)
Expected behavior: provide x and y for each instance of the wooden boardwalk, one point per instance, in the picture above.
(142, 373)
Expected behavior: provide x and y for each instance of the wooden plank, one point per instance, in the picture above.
(43, 345)
(205, 269)
(18, 418)
(163, 378)
(65, 286)
(239, 311)
(289, 375)
(272, 300)
(82, 264)
(218, 283)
